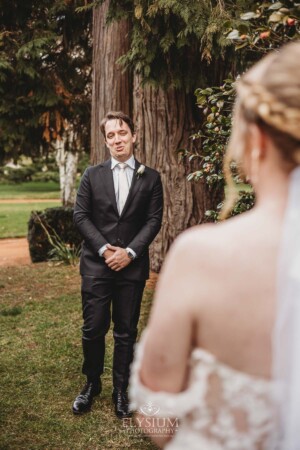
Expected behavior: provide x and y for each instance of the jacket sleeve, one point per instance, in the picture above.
(152, 225)
(83, 215)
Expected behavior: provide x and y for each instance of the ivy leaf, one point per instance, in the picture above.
(234, 34)
(249, 16)
(243, 28)
(276, 5)
(275, 17)
(201, 100)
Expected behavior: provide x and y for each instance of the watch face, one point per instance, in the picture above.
(130, 255)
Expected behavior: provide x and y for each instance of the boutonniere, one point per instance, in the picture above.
(140, 171)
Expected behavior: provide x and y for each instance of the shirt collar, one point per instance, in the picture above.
(130, 162)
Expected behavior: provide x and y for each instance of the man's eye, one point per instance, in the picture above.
(123, 133)
(110, 136)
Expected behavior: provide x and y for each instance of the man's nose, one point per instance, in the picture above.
(118, 138)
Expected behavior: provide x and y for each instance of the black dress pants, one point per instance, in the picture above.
(98, 296)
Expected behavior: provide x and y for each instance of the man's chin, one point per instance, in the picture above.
(121, 156)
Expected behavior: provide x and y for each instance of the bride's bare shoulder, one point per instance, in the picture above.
(220, 236)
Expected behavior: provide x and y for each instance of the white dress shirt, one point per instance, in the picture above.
(129, 170)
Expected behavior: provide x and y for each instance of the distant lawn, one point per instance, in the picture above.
(31, 189)
(41, 357)
(14, 217)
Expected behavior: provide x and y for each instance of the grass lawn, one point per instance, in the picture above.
(14, 217)
(40, 343)
(31, 189)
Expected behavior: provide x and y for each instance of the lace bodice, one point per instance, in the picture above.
(221, 409)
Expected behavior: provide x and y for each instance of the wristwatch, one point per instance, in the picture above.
(130, 254)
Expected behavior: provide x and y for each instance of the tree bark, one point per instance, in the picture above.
(165, 121)
(111, 88)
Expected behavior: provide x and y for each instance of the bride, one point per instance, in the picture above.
(220, 354)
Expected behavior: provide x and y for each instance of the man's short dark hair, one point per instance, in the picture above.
(118, 115)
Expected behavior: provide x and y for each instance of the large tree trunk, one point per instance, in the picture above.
(165, 123)
(112, 90)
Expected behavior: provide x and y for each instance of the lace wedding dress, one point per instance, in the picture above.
(221, 409)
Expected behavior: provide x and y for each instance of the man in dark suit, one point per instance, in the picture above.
(118, 211)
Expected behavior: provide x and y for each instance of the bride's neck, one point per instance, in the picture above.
(272, 191)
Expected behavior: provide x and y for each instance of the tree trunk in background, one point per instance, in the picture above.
(66, 155)
(165, 123)
(112, 89)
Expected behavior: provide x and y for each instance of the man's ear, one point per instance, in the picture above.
(133, 137)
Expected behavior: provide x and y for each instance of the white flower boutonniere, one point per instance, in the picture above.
(140, 170)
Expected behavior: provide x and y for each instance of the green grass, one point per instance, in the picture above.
(40, 343)
(14, 217)
(30, 190)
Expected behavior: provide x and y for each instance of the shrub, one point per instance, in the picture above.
(46, 176)
(217, 103)
(20, 175)
(59, 223)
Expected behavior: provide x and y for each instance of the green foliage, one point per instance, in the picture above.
(20, 175)
(41, 170)
(172, 41)
(264, 28)
(267, 26)
(45, 68)
(60, 250)
(216, 104)
(245, 202)
(175, 43)
(51, 234)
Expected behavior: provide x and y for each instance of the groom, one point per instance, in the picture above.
(118, 211)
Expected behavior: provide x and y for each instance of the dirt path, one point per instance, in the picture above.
(14, 252)
(28, 200)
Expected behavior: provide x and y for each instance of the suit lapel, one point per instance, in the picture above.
(135, 186)
(109, 183)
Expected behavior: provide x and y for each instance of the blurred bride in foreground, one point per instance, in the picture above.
(221, 353)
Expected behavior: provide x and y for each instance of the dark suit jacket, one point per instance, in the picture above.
(97, 218)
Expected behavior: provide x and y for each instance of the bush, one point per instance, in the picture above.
(46, 176)
(245, 202)
(217, 103)
(57, 221)
(21, 175)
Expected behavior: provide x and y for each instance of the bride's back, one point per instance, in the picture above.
(236, 290)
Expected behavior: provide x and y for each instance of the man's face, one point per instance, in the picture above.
(119, 139)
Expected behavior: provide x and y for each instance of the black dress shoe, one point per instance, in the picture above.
(83, 401)
(121, 402)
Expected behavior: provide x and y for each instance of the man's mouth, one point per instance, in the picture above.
(120, 148)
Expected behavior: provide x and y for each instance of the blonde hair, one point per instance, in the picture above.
(271, 101)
